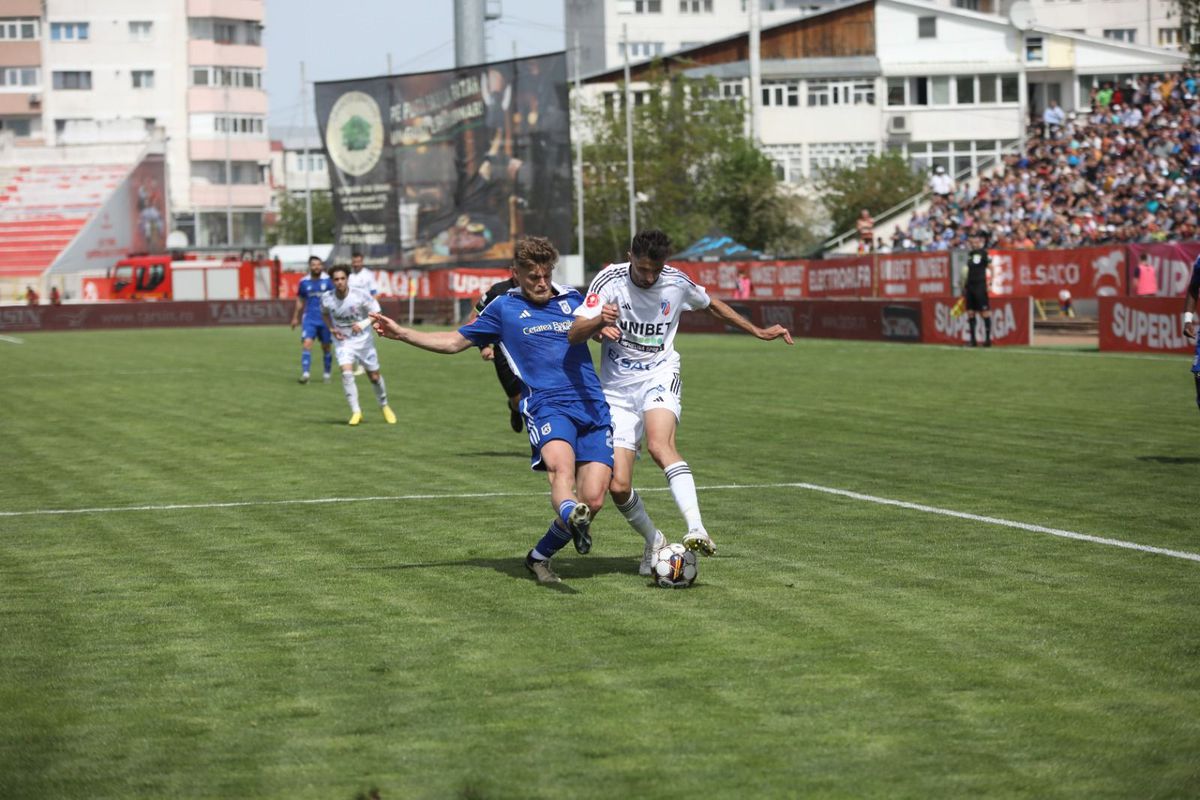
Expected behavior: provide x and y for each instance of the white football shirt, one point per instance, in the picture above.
(349, 310)
(648, 319)
(363, 279)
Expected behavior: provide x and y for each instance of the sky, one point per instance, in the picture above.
(339, 39)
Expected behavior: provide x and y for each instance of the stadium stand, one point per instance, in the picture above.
(1125, 170)
(42, 208)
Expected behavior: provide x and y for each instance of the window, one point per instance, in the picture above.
(695, 6)
(918, 91)
(224, 33)
(781, 93)
(1170, 37)
(969, 5)
(964, 90)
(840, 93)
(20, 126)
(68, 31)
(788, 160)
(238, 77)
(1034, 50)
(81, 81)
(140, 30)
(143, 78)
(20, 76)
(19, 28)
(200, 76)
(1009, 91)
(926, 27)
(987, 89)
(639, 7)
(244, 172)
(641, 49)
(939, 93)
(827, 155)
(1121, 34)
(220, 125)
(895, 91)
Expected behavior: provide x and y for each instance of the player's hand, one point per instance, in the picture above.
(1189, 330)
(337, 334)
(295, 322)
(775, 332)
(358, 327)
(609, 313)
(385, 327)
(610, 332)
(487, 352)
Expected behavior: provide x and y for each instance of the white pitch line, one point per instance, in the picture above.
(812, 487)
(12, 339)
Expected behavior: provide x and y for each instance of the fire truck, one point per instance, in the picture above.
(193, 277)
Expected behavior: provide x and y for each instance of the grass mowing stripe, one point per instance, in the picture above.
(812, 487)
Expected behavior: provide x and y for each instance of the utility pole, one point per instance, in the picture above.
(389, 63)
(629, 138)
(755, 7)
(304, 158)
(469, 46)
(228, 166)
(578, 155)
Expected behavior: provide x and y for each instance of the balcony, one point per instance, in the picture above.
(227, 9)
(240, 149)
(21, 103)
(207, 53)
(212, 98)
(208, 195)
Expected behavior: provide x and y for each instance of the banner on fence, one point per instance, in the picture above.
(1143, 325)
(1012, 322)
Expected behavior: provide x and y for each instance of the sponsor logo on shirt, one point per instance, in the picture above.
(565, 306)
(525, 314)
(666, 307)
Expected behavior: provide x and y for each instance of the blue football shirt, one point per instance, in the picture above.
(310, 291)
(535, 340)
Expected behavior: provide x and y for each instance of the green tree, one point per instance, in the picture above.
(885, 181)
(694, 170)
(291, 227)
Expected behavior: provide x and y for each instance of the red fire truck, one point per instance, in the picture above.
(193, 277)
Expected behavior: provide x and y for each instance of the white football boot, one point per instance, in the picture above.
(647, 565)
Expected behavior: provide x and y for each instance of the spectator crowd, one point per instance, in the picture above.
(1125, 171)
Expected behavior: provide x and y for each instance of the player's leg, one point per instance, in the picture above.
(987, 323)
(513, 388)
(971, 325)
(660, 441)
(629, 504)
(306, 343)
(1196, 371)
(367, 358)
(345, 356)
(326, 343)
(557, 458)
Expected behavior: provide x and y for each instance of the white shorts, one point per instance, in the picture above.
(360, 349)
(628, 404)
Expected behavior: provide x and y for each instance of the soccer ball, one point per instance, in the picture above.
(674, 567)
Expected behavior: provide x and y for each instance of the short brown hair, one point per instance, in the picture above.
(534, 251)
(342, 268)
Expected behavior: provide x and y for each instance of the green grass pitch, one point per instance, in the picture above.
(206, 632)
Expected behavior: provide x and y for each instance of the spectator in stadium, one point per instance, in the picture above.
(743, 291)
(975, 289)
(866, 231)
(55, 296)
(1053, 116)
(31, 296)
(569, 423)
(512, 385)
(308, 304)
(1147, 278)
(940, 183)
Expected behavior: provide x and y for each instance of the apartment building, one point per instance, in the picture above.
(78, 72)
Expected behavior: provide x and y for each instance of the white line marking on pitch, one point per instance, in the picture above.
(812, 487)
(12, 339)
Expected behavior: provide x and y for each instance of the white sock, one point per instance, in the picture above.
(683, 488)
(380, 391)
(634, 512)
(351, 389)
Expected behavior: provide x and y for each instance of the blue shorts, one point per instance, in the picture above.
(590, 435)
(316, 330)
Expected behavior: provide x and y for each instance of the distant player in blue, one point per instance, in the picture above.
(308, 303)
(1189, 321)
(565, 410)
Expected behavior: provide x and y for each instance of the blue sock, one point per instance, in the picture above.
(565, 508)
(328, 360)
(555, 539)
(305, 360)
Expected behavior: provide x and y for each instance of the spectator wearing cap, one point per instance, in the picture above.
(941, 184)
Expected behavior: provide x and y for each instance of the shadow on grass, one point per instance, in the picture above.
(1170, 459)
(569, 568)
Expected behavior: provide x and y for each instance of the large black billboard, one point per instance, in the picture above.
(448, 168)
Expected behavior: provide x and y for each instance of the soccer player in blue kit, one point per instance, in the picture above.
(570, 430)
(308, 302)
(1189, 321)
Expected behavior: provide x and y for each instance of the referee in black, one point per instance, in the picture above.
(513, 387)
(975, 288)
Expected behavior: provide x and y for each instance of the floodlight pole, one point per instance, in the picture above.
(304, 158)
(629, 138)
(578, 155)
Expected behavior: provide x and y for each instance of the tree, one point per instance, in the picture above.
(292, 228)
(885, 181)
(695, 170)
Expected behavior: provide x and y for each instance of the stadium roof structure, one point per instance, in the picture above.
(717, 246)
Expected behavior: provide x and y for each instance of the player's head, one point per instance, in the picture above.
(356, 260)
(647, 255)
(340, 275)
(534, 258)
(315, 265)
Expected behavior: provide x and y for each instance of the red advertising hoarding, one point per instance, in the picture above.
(842, 277)
(876, 320)
(1168, 268)
(913, 274)
(768, 279)
(1012, 322)
(1143, 325)
(1042, 274)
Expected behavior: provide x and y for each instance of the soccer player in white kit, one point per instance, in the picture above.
(635, 307)
(346, 313)
(361, 278)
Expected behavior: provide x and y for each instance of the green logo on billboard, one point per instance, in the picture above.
(354, 133)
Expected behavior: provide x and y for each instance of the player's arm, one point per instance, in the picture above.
(329, 325)
(448, 342)
(721, 310)
(364, 324)
(1189, 302)
(603, 324)
(297, 311)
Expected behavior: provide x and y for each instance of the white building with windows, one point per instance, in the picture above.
(116, 71)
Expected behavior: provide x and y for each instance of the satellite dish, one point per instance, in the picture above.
(1021, 15)
(177, 240)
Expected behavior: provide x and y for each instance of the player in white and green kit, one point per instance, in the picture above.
(635, 307)
(346, 313)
